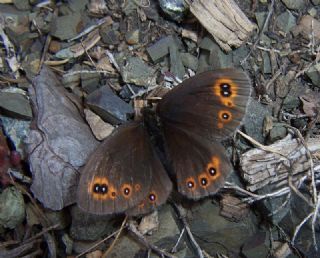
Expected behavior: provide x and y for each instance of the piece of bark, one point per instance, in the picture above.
(59, 145)
(224, 20)
(261, 168)
(233, 208)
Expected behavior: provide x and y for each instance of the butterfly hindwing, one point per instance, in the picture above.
(118, 174)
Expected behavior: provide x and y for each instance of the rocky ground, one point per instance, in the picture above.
(71, 71)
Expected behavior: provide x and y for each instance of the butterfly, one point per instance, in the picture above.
(125, 174)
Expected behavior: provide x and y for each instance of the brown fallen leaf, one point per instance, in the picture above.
(58, 145)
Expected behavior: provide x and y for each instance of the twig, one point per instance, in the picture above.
(261, 32)
(44, 52)
(99, 243)
(91, 28)
(133, 229)
(174, 249)
(181, 212)
(116, 238)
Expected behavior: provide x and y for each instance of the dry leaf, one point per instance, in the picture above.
(59, 145)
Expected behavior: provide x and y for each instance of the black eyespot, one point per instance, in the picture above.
(126, 191)
(190, 184)
(225, 90)
(212, 171)
(204, 181)
(103, 188)
(96, 188)
(225, 116)
(152, 197)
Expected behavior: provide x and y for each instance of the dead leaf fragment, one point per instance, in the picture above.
(59, 145)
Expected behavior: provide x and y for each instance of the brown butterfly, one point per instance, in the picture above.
(125, 174)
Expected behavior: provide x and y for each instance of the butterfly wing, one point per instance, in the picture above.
(118, 174)
(158, 194)
(195, 116)
(210, 104)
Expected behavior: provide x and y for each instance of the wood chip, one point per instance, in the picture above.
(224, 20)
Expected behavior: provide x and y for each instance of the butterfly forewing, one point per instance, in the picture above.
(210, 104)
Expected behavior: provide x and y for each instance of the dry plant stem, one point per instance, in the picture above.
(97, 244)
(113, 60)
(44, 52)
(314, 189)
(266, 22)
(174, 249)
(45, 222)
(85, 72)
(300, 226)
(262, 147)
(181, 212)
(41, 233)
(91, 28)
(133, 229)
(116, 238)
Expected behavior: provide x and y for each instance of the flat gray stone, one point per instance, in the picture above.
(65, 27)
(137, 72)
(294, 4)
(160, 49)
(189, 61)
(176, 66)
(12, 207)
(253, 120)
(286, 21)
(108, 106)
(15, 105)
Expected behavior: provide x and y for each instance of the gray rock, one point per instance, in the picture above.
(132, 37)
(137, 72)
(12, 207)
(110, 37)
(160, 49)
(294, 4)
(89, 227)
(278, 132)
(315, 2)
(286, 21)
(15, 104)
(65, 27)
(126, 246)
(62, 218)
(292, 100)
(299, 210)
(314, 74)
(215, 234)
(176, 66)
(17, 130)
(90, 81)
(239, 54)
(207, 43)
(22, 5)
(189, 61)
(253, 120)
(261, 17)
(266, 63)
(108, 106)
(219, 59)
(168, 227)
